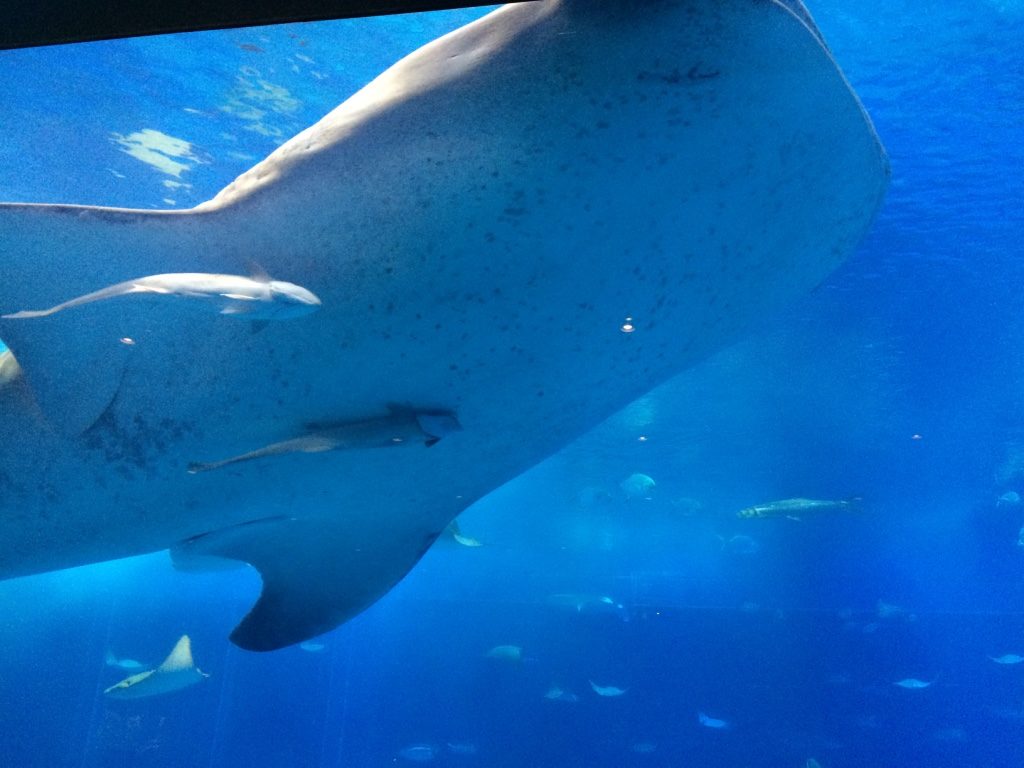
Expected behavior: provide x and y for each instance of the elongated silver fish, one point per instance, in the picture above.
(794, 508)
(252, 298)
(913, 684)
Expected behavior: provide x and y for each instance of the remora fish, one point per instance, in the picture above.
(251, 298)
(176, 672)
(794, 508)
(685, 130)
(401, 427)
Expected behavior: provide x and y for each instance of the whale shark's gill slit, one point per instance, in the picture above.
(106, 416)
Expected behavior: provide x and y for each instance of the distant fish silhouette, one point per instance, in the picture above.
(638, 486)
(176, 672)
(557, 693)
(912, 683)
(1007, 658)
(712, 722)
(510, 653)
(1009, 499)
(607, 690)
(891, 611)
(587, 604)
(740, 544)
(125, 664)
(456, 533)
(418, 753)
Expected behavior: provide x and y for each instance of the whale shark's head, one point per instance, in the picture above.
(290, 300)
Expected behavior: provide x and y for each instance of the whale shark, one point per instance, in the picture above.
(527, 224)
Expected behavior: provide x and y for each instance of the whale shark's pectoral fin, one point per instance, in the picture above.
(317, 572)
(73, 384)
(74, 360)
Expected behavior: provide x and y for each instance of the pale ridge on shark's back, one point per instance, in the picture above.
(478, 222)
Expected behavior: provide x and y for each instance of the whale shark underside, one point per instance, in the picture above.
(479, 221)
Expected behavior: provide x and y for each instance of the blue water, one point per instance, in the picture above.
(899, 381)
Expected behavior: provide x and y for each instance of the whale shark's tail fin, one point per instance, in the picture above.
(315, 576)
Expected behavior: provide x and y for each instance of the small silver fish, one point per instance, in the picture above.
(1007, 658)
(912, 683)
(589, 604)
(712, 722)
(460, 537)
(1009, 499)
(740, 544)
(125, 664)
(556, 693)
(795, 508)
(510, 653)
(418, 753)
(607, 690)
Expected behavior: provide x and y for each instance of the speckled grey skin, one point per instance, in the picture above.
(478, 223)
